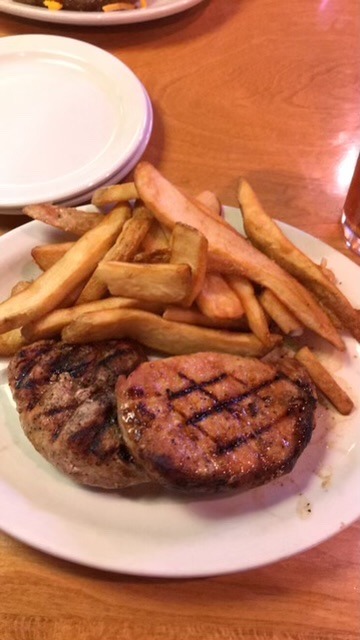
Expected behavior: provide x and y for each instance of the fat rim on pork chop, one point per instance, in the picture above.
(210, 422)
(65, 396)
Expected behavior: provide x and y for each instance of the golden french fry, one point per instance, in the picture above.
(20, 286)
(211, 201)
(324, 381)
(163, 283)
(194, 316)
(125, 248)
(161, 335)
(69, 219)
(189, 246)
(52, 287)
(234, 254)
(11, 342)
(217, 300)
(161, 256)
(253, 310)
(156, 238)
(113, 194)
(266, 235)
(53, 323)
(281, 315)
(47, 254)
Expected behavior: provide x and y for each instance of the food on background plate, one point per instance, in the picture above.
(234, 301)
(86, 5)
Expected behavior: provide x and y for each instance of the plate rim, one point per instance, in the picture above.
(97, 18)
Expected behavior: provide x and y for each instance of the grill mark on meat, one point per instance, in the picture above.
(242, 440)
(226, 405)
(64, 363)
(23, 381)
(195, 386)
(105, 362)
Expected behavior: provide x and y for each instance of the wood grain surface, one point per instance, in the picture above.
(269, 90)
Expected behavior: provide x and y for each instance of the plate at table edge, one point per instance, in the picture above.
(143, 531)
(159, 9)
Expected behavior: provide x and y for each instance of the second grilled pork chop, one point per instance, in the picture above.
(65, 395)
(209, 421)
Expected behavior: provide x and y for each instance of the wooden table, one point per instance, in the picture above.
(269, 90)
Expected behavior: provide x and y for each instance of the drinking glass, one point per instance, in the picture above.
(350, 217)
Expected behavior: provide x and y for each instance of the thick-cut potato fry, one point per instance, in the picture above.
(162, 283)
(52, 287)
(161, 335)
(69, 219)
(11, 342)
(46, 255)
(156, 238)
(324, 381)
(113, 194)
(53, 323)
(266, 235)
(159, 256)
(20, 286)
(124, 249)
(217, 300)
(234, 254)
(281, 315)
(253, 310)
(194, 316)
(211, 201)
(189, 246)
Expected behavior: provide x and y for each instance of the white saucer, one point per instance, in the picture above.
(71, 117)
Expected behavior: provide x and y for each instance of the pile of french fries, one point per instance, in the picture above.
(164, 268)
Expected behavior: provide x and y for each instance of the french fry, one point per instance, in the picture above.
(20, 286)
(194, 316)
(253, 310)
(324, 381)
(113, 194)
(161, 335)
(280, 314)
(11, 342)
(159, 256)
(52, 287)
(233, 253)
(47, 254)
(211, 201)
(189, 246)
(266, 235)
(125, 248)
(217, 300)
(53, 323)
(68, 219)
(162, 283)
(156, 238)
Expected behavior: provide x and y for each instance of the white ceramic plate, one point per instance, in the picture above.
(156, 9)
(71, 116)
(149, 533)
(81, 198)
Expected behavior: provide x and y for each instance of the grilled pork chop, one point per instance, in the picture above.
(65, 395)
(208, 421)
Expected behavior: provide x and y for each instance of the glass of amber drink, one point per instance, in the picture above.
(350, 218)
